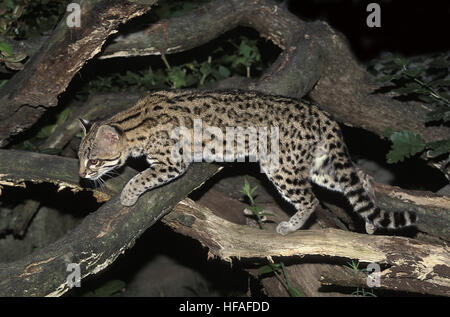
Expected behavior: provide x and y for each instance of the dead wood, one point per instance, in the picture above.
(26, 96)
(411, 265)
(315, 60)
(100, 238)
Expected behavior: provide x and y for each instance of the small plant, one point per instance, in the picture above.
(27, 18)
(354, 267)
(12, 61)
(248, 55)
(275, 268)
(362, 292)
(422, 78)
(253, 208)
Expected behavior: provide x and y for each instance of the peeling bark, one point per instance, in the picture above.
(102, 237)
(316, 60)
(26, 97)
(411, 265)
(99, 239)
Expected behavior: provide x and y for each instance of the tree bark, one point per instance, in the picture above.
(412, 265)
(102, 236)
(316, 60)
(26, 97)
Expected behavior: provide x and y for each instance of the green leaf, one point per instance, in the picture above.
(388, 131)
(63, 116)
(411, 88)
(46, 131)
(256, 209)
(400, 61)
(439, 147)
(224, 72)
(384, 79)
(6, 48)
(30, 146)
(253, 190)
(246, 185)
(413, 72)
(266, 269)
(426, 98)
(440, 83)
(177, 76)
(293, 292)
(404, 144)
(9, 4)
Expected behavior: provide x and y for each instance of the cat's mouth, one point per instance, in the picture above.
(92, 175)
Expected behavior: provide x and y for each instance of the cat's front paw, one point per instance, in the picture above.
(285, 227)
(128, 200)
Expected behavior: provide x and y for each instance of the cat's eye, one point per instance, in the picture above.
(93, 162)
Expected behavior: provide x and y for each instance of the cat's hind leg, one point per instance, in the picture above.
(297, 190)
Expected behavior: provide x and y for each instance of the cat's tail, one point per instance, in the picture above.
(360, 194)
(358, 189)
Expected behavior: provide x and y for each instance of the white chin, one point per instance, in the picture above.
(92, 177)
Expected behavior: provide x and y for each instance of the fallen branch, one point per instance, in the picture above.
(316, 60)
(99, 239)
(412, 265)
(102, 237)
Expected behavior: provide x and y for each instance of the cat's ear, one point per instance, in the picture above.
(108, 135)
(85, 125)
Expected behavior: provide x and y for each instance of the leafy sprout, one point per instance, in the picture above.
(279, 270)
(253, 208)
(425, 79)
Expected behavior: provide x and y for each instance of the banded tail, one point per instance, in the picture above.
(334, 170)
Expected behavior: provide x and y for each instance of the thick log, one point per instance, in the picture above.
(102, 236)
(412, 265)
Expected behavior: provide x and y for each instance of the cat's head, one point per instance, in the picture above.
(101, 149)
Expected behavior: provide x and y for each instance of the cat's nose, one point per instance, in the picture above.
(83, 174)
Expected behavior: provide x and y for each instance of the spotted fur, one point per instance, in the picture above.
(311, 148)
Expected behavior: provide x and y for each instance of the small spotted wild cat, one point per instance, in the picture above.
(310, 148)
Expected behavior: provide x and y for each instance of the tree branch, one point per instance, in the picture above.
(314, 56)
(412, 265)
(100, 238)
(25, 97)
